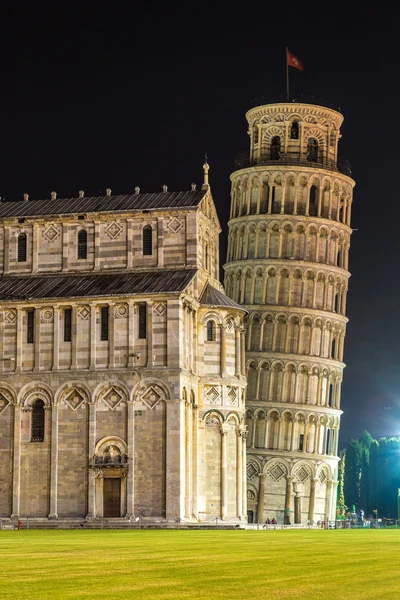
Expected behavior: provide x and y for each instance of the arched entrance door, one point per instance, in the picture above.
(112, 497)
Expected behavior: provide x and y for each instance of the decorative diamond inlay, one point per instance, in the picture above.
(251, 470)
(113, 230)
(302, 474)
(174, 224)
(276, 472)
(160, 308)
(74, 399)
(212, 395)
(232, 395)
(212, 421)
(322, 477)
(151, 397)
(4, 402)
(112, 398)
(83, 312)
(11, 315)
(51, 233)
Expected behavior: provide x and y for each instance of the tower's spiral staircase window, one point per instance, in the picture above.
(294, 131)
(276, 148)
(312, 150)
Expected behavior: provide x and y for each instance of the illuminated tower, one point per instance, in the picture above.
(287, 263)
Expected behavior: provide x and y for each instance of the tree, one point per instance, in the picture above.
(340, 502)
(352, 473)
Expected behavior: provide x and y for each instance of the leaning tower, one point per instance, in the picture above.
(287, 263)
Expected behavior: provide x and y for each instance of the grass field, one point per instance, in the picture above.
(314, 565)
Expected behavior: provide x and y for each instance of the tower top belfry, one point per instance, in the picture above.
(287, 263)
(298, 132)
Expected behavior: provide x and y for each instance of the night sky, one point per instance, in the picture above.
(119, 99)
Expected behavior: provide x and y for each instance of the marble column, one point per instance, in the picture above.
(242, 352)
(56, 338)
(188, 460)
(93, 337)
(223, 350)
(261, 498)
(288, 499)
(16, 477)
(224, 474)
(244, 476)
(239, 474)
(36, 338)
(54, 463)
(328, 501)
(91, 450)
(311, 505)
(74, 338)
(237, 352)
(130, 483)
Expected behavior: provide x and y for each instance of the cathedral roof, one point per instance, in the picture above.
(78, 286)
(213, 297)
(94, 204)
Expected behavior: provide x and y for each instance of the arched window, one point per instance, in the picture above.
(313, 201)
(255, 135)
(206, 256)
(82, 244)
(294, 131)
(22, 247)
(312, 150)
(37, 427)
(276, 148)
(210, 331)
(147, 240)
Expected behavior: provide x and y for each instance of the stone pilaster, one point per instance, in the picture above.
(54, 463)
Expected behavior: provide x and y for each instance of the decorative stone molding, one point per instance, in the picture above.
(113, 397)
(160, 308)
(74, 398)
(151, 397)
(113, 230)
(174, 224)
(83, 312)
(212, 421)
(51, 233)
(277, 471)
(121, 311)
(5, 401)
(252, 469)
(46, 315)
(11, 315)
(232, 395)
(212, 393)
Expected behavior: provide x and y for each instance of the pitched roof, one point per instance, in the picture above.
(77, 286)
(213, 297)
(93, 204)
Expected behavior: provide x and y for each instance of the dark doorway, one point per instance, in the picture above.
(112, 497)
(250, 516)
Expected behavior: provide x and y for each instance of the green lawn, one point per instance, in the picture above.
(114, 565)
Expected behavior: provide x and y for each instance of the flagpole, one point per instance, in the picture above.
(287, 76)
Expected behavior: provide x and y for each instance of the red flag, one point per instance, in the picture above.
(293, 61)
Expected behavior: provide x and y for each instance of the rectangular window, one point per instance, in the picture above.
(30, 326)
(142, 321)
(301, 442)
(104, 323)
(67, 324)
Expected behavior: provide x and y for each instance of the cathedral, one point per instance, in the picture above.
(122, 383)
(288, 251)
(124, 364)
